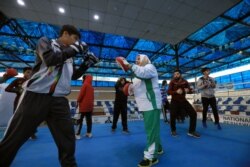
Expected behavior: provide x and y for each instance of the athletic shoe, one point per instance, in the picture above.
(194, 134)
(33, 137)
(112, 130)
(78, 137)
(204, 124)
(166, 121)
(89, 135)
(160, 151)
(218, 126)
(148, 163)
(174, 134)
(126, 131)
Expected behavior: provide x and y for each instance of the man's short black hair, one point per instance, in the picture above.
(71, 30)
(26, 69)
(177, 70)
(204, 69)
(164, 82)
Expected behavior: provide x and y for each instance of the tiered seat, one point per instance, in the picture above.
(108, 107)
(242, 108)
(248, 101)
(221, 109)
(238, 100)
(132, 107)
(227, 100)
(232, 105)
(228, 108)
(98, 103)
(219, 100)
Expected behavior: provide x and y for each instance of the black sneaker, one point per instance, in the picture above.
(112, 130)
(194, 134)
(160, 151)
(204, 124)
(33, 137)
(126, 131)
(218, 126)
(166, 121)
(148, 163)
(174, 134)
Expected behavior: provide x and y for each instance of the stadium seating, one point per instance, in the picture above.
(229, 105)
(107, 106)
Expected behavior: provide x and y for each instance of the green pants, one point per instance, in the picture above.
(152, 127)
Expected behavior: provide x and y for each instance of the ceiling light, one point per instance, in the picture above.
(96, 17)
(61, 10)
(21, 2)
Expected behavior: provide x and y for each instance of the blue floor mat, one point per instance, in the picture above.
(229, 147)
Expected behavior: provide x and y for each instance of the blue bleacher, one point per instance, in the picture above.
(242, 108)
(98, 103)
(219, 99)
(248, 101)
(227, 100)
(238, 100)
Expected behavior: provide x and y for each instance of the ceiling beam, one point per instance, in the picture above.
(4, 65)
(12, 54)
(219, 59)
(216, 33)
(239, 21)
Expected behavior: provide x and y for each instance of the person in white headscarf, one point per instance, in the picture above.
(148, 98)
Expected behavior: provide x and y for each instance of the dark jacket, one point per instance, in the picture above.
(174, 85)
(54, 68)
(16, 87)
(120, 97)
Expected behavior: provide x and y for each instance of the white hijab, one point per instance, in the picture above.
(144, 60)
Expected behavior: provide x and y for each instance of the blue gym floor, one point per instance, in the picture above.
(229, 147)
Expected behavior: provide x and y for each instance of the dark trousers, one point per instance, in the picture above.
(15, 104)
(14, 109)
(205, 103)
(88, 122)
(34, 109)
(165, 107)
(120, 109)
(177, 106)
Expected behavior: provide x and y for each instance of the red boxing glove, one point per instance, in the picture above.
(123, 63)
(127, 89)
(11, 72)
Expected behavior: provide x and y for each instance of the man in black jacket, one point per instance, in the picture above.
(120, 106)
(44, 94)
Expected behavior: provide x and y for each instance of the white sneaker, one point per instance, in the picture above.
(89, 135)
(78, 137)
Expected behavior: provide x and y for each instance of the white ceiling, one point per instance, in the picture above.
(167, 21)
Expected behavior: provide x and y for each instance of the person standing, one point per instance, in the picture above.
(44, 96)
(165, 103)
(148, 98)
(178, 88)
(9, 73)
(206, 85)
(85, 102)
(120, 106)
(16, 85)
